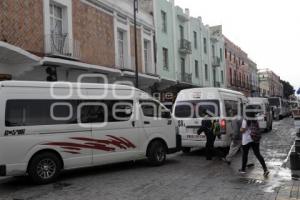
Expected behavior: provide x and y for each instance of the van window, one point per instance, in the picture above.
(38, 112)
(274, 101)
(55, 112)
(106, 111)
(186, 109)
(231, 108)
(257, 108)
(183, 111)
(152, 108)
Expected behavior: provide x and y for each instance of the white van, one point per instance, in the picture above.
(49, 127)
(264, 114)
(189, 110)
(280, 107)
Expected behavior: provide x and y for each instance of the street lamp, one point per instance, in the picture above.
(135, 7)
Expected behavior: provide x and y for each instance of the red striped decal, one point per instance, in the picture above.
(94, 144)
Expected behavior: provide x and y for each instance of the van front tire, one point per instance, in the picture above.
(44, 168)
(157, 153)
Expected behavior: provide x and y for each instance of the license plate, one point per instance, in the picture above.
(196, 136)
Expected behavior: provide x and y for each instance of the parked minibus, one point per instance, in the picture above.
(280, 107)
(50, 127)
(190, 108)
(263, 110)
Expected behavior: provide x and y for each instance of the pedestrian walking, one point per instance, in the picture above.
(207, 128)
(211, 129)
(236, 138)
(251, 139)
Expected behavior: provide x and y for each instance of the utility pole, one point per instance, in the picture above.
(135, 7)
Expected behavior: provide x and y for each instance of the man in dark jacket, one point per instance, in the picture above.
(207, 128)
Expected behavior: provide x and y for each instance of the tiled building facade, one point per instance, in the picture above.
(76, 37)
(237, 64)
(270, 83)
(96, 37)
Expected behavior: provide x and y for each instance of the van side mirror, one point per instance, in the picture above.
(166, 114)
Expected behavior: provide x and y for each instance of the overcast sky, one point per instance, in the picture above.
(268, 30)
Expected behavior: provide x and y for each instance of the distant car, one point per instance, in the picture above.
(294, 105)
(263, 112)
(296, 116)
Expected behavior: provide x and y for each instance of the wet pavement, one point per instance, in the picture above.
(185, 176)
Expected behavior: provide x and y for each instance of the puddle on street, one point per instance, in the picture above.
(251, 181)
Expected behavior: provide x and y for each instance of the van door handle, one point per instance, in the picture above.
(133, 123)
(146, 122)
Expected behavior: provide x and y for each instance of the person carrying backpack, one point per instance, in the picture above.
(251, 139)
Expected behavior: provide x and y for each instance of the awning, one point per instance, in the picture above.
(145, 80)
(13, 55)
(166, 83)
(79, 65)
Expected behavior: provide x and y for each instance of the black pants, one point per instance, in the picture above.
(256, 151)
(209, 147)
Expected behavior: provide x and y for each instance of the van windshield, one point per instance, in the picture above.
(274, 101)
(257, 109)
(197, 108)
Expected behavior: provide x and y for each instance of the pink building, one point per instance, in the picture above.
(237, 68)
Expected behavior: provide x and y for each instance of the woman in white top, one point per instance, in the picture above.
(251, 139)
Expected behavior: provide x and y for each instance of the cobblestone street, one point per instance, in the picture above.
(185, 176)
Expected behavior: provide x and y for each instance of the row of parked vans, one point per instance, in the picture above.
(50, 127)
(225, 105)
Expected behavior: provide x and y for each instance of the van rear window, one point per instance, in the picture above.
(55, 112)
(274, 101)
(197, 108)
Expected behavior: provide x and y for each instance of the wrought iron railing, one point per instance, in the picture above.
(185, 46)
(187, 78)
(216, 62)
(62, 45)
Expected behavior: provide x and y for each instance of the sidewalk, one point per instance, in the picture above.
(290, 191)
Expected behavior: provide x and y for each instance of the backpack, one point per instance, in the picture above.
(216, 128)
(255, 134)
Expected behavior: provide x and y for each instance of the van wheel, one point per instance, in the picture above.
(44, 168)
(186, 149)
(157, 153)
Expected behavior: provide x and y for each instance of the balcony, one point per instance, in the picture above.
(187, 78)
(185, 46)
(216, 62)
(61, 45)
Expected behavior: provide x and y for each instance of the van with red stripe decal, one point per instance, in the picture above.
(50, 127)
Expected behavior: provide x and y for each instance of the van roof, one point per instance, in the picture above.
(210, 89)
(41, 84)
(253, 100)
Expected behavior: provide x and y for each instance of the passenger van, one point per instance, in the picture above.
(50, 127)
(191, 105)
(264, 113)
(280, 107)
